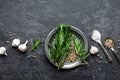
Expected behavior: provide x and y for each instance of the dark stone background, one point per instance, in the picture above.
(31, 19)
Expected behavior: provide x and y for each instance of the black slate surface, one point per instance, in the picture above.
(31, 19)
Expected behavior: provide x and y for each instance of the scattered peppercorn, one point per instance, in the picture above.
(106, 62)
(99, 61)
(100, 57)
(7, 42)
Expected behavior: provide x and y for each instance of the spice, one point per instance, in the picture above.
(100, 57)
(118, 44)
(118, 41)
(108, 43)
(106, 62)
(33, 56)
(72, 56)
(12, 34)
(99, 61)
(96, 60)
(7, 42)
(96, 35)
(91, 60)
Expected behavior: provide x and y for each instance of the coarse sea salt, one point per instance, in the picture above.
(96, 35)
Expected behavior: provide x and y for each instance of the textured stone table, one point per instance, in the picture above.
(31, 19)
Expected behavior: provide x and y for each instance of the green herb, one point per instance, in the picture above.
(36, 44)
(60, 45)
(82, 53)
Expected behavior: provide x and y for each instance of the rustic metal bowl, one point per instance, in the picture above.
(80, 36)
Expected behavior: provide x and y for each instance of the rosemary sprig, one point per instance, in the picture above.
(82, 53)
(36, 44)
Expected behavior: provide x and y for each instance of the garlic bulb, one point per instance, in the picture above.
(23, 47)
(3, 51)
(94, 50)
(16, 42)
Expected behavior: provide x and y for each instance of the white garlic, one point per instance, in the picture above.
(3, 51)
(23, 47)
(16, 42)
(94, 50)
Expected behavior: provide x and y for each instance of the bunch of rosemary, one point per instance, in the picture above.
(82, 53)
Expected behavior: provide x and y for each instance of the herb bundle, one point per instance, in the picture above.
(82, 53)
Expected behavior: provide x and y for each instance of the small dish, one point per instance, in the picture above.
(80, 36)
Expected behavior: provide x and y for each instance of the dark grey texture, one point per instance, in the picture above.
(31, 19)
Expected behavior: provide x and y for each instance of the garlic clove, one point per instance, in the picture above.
(16, 42)
(3, 48)
(94, 50)
(3, 51)
(23, 47)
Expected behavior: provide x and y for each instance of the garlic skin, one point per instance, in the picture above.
(16, 42)
(94, 50)
(3, 51)
(23, 47)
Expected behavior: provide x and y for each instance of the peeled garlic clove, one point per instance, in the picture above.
(23, 47)
(16, 42)
(3, 51)
(94, 50)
